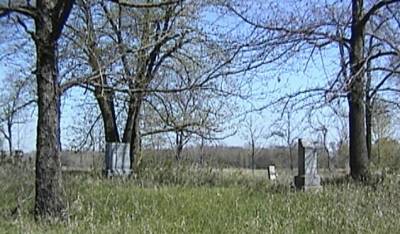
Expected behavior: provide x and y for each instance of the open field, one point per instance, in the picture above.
(201, 201)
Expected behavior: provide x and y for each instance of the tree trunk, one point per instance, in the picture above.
(106, 104)
(49, 193)
(202, 151)
(179, 145)
(49, 21)
(59, 121)
(291, 158)
(135, 142)
(103, 96)
(358, 146)
(368, 125)
(253, 146)
(10, 138)
(131, 132)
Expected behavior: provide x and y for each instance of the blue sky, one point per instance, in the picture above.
(266, 82)
(290, 77)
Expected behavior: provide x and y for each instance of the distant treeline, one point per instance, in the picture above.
(239, 157)
(213, 156)
(384, 153)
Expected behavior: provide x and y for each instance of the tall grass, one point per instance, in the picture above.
(195, 200)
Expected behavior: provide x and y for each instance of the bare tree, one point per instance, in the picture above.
(343, 27)
(288, 129)
(381, 123)
(253, 133)
(357, 63)
(189, 115)
(15, 106)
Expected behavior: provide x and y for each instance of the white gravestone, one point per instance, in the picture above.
(307, 177)
(118, 161)
(272, 172)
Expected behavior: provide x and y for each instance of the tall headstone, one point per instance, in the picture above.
(307, 177)
(117, 161)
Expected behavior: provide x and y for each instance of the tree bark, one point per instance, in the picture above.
(49, 21)
(132, 131)
(48, 200)
(104, 96)
(106, 104)
(358, 146)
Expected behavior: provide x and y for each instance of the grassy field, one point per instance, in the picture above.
(170, 200)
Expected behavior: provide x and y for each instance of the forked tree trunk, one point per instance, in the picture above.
(358, 146)
(49, 21)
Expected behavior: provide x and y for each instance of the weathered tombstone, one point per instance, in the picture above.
(117, 161)
(307, 178)
(272, 172)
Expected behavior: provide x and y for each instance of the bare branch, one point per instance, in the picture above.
(145, 5)
(374, 9)
(24, 10)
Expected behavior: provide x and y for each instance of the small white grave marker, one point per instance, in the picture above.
(272, 172)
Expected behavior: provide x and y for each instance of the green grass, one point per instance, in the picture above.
(213, 204)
